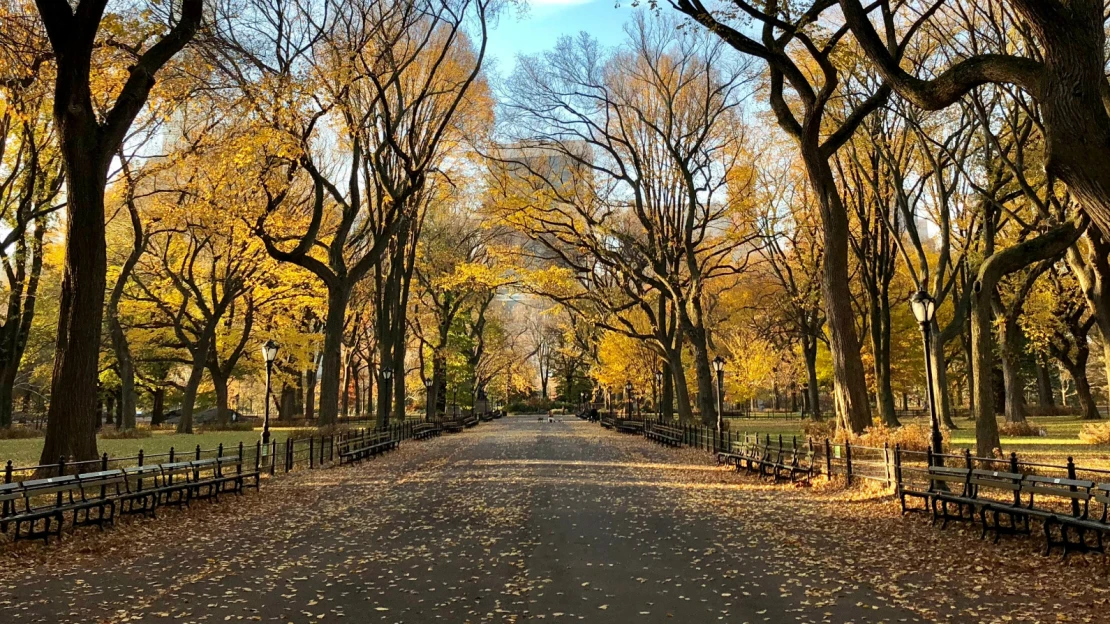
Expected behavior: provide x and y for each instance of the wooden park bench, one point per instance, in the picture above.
(45, 502)
(732, 455)
(366, 445)
(629, 426)
(424, 430)
(1064, 504)
(663, 434)
(794, 464)
(756, 455)
(607, 422)
(1082, 522)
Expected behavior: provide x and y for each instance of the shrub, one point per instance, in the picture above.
(1021, 430)
(817, 429)
(21, 433)
(124, 434)
(1095, 433)
(911, 437)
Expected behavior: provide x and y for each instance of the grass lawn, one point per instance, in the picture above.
(26, 452)
(1061, 442)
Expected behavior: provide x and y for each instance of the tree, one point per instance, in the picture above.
(802, 56)
(388, 78)
(92, 127)
(31, 178)
(1058, 322)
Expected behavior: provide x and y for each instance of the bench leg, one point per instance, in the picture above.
(1047, 536)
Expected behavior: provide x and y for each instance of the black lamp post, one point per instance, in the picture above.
(427, 399)
(719, 368)
(387, 374)
(924, 310)
(269, 354)
(628, 399)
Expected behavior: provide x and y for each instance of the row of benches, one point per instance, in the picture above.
(1005, 502)
(767, 459)
(40, 506)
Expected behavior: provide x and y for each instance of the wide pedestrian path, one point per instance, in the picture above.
(518, 520)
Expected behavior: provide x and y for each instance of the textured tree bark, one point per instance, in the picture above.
(813, 390)
(158, 407)
(219, 384)
(192, 384)
(1045, 396)
(940, 378)
(853, 409)
(1011, 372)
(125, 368)
(707, 398)
(310, 394)
(1077, 370)
(681, 390)
(331, 362)
(880, 348)
(7, 390)
(71, 417)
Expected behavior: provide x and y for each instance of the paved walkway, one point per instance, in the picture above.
(517, 520)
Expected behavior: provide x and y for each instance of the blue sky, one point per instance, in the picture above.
(545, 21)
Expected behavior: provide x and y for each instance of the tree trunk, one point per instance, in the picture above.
(694, 332)
(332, 363)
(987, 441)
(1044, 384)
(1087, 405)
(345, 394)
(813, 390)
(355, 373)
(880, 348)
(997, 265)
(219, 382)
(287, 409)
(667, 394)
(125, 368)
(399, 374)
(310, 395)
(939, 365)
(1011, 372)
(71, 417)
(7, 391)
(681, 390)
(158, 407)
(192, 384)
(437, 391)
(853, 410)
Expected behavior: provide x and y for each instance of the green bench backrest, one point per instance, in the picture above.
(51, 485)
